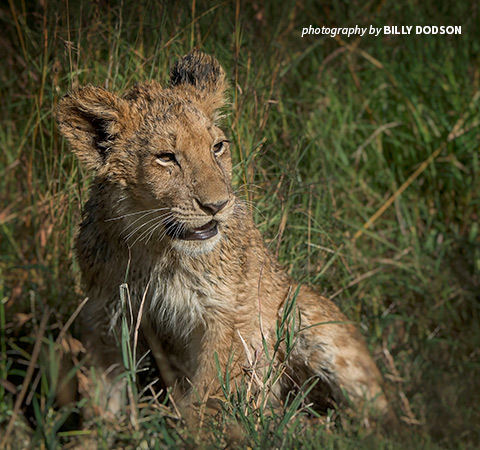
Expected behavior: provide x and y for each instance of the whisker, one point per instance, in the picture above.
(247, 185)
(151, 230)
(180, 230)
(143, 225)
(163, 234)
(121, 199)
(249, 203)
(169, 223)
(134, 222)
(147, 211)
(144, 233)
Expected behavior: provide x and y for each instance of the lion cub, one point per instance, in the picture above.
(163, 222)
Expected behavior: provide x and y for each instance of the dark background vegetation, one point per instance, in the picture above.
(327, 133)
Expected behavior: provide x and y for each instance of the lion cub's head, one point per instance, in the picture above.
(159, 153)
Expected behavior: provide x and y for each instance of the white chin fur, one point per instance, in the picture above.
(194, 248)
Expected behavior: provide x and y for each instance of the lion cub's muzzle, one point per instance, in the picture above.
(179, 230)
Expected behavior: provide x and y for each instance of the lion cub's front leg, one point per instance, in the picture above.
(214, 360)
(105, 355)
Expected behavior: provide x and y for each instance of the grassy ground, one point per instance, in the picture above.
(361, 155)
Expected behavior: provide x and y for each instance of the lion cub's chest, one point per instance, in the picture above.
(181, 298)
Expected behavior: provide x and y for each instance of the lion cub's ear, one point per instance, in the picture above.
(92, 119)
(203, 72)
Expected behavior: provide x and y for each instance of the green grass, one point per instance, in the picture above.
(325, 131)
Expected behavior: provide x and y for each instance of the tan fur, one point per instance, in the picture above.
(221, 296)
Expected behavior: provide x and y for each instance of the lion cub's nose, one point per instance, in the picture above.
(212, 208)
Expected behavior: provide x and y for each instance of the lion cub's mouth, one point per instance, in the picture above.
(202, 233)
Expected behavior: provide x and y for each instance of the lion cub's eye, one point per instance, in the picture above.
(165, 158)
(219, 148)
